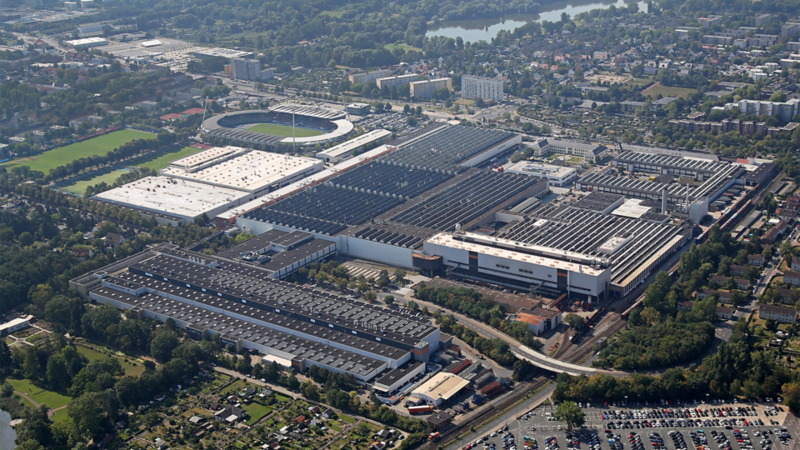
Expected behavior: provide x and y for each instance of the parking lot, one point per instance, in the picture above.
(692, 426)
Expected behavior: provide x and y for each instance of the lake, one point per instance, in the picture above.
(7, 434)
(486, 29)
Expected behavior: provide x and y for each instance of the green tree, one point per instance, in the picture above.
(57, 374)
(25, 239)
(570, 413)
(575, 321)
(164, 341)
(389, 300)
(35, 425)
(400, 276)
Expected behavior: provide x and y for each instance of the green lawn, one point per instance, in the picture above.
(282, 398)
(347, 419)
(283, 130)
(50, 398)
(79, 187)
(63, 155)
(131, 369)
(337, 14)
(160, 160)
(59, 416)
(256, 411)
(666, 91)
(404, 47)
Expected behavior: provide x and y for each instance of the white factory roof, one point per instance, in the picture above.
(151, 43)
(181, 198)
(223, 52)
(343, 128)
(206, 156)
(13, 323)
(631, 208)
(352, 144)
(248, 172)
(296, 186)
(442, 385)
(527, 167)
(448, 240)
(86, 41)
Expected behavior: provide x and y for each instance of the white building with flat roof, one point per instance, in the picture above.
(440, 388)
(486, 88)
(555, 175)
(523, 263)
(175, 197)
(85, 43)
(249, 171)
(346, 149)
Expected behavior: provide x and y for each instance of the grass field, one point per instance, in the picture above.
(283, 130)
(63, 155)
(336, 14)
(158, 161)
(256, 411)
(404, 47)
(50, 398)
(666, 91)
(79, 187)
(131, 369)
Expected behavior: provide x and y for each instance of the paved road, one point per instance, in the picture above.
(508, 418)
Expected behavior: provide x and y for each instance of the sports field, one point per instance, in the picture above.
(79, 187)
(160, 160)
(282, 130)
(60, 156)
(666, 91)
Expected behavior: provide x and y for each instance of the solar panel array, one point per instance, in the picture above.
(325, 209)
(446, 148)
(466, 200)
(391, 179)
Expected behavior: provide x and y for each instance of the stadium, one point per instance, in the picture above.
(267, 129)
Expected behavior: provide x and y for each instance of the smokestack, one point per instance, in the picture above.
(663, 201)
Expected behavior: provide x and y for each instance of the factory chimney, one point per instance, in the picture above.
(663, 201)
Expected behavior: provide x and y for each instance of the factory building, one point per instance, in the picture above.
(395, 379)
(440, 389)
(587, 276)
(482, 87)
(555, 175)
(90, 42)
(548, 146)
(425, 89)
(358, 109)
(251, 171)
(347, 149)
(210, 295)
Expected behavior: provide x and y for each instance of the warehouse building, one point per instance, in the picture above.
(440, 389)
(214, 289)
(478, 256)
(700, 168)
(395, 379)
(252, 171)
(90, 42)
(633, 247)
(347, 149)
(174, 197)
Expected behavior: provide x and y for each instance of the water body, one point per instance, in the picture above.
(485, 29)
(7, 434)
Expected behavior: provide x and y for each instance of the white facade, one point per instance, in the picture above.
(346, 149)
(367, 77)
(425, 89)
(485, 88)
(555, 175)
(246, 69)
(497, 259)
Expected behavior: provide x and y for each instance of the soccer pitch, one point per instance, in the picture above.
(79, 187)
(60, 156)
(283, 130)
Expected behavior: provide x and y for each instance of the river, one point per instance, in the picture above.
(485, 29)
(7, 434)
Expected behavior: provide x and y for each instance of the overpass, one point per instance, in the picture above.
(547, 363)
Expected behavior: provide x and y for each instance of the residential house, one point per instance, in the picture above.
(737, 271)
(328, 413)
(230, 414)
(82, 253)
(756, 260)
(781, 314)
(724, 313)
(741, 283)
(795, 264)
(791, 277)
(685, 306)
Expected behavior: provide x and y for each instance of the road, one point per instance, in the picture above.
(519, 350)
(507, 418)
